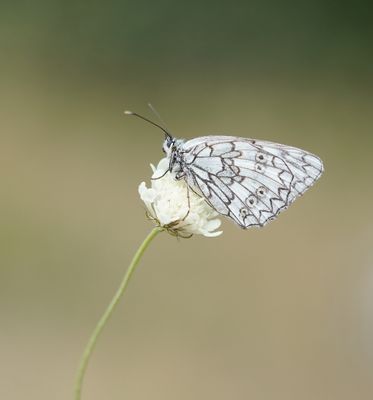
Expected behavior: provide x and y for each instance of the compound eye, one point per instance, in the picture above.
(165, 147)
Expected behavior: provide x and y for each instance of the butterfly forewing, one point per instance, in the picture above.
(249, 181)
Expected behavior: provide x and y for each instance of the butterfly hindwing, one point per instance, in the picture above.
(249, 181)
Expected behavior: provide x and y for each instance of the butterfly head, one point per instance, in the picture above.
(171, 147)
(168, 145)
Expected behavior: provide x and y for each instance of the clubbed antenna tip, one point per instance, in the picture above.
(126, 112)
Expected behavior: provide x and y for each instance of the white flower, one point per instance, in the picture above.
(167, 204)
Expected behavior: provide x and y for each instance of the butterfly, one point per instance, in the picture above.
(249, 181)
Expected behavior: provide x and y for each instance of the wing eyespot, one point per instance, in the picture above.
(260, 157)
(261, 191)
(251, 201)
(259, 168)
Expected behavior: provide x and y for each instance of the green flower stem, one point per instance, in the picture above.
(107, 314)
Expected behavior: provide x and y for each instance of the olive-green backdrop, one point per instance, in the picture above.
(282, 313)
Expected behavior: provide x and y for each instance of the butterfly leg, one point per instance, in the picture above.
(179, 175)
(159, 177)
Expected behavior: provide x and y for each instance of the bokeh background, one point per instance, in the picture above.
(279, 313)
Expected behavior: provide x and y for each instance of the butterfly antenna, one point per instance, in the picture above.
(156, 113)
(151, 122)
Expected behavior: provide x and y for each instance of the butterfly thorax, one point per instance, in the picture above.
(176, 158)
(174, 154)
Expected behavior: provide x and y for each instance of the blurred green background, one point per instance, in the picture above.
(279, 313)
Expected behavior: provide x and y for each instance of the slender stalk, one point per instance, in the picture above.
(107, 314)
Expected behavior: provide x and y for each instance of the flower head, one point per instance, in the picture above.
(168, 205)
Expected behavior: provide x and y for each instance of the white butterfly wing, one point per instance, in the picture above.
(249, 181)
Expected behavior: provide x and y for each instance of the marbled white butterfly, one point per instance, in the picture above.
(250, 181)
